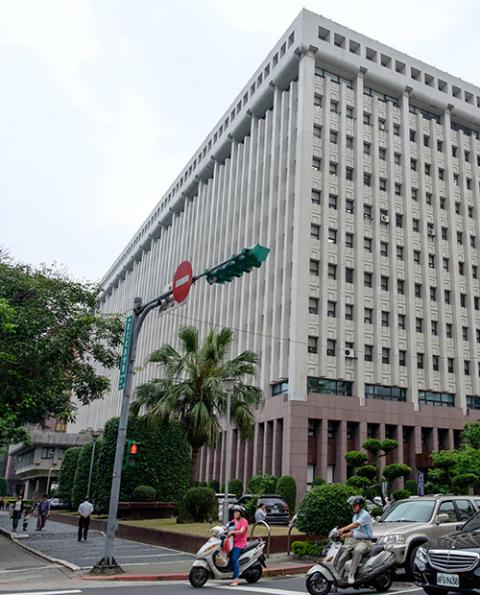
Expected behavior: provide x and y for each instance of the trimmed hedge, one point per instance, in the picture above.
(215, 485)
(67, 474)
(325, 507)
(163, 461)
(235, 486)
(287, 487)
(144, 494)
(400, 495)
(201, 504)
(308, 548)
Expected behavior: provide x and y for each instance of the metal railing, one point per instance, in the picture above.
(269, 534)
(291, 526)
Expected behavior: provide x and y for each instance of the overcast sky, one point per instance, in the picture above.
(102, 102)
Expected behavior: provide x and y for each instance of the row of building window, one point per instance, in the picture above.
(325, 386)
(385, 319)
(368, 213)
(368, 354)
(385, 283)
(333, 169)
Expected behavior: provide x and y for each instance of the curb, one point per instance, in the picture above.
(281, 571)
(32, 550)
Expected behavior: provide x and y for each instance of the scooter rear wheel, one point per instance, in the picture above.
(317, 584)
(253, 574)
(198, 576)
(383, 582)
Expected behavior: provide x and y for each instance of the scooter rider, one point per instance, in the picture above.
(359, 534)
(239, 533)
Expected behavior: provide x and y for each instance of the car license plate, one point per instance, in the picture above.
(448, 580)
(275, 509)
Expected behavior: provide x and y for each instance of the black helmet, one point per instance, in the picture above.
(360, 500)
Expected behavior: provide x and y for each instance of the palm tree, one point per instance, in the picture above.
(192, 389)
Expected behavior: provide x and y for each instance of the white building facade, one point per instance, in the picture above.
(359, 167)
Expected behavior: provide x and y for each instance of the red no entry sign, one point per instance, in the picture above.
(182, 281)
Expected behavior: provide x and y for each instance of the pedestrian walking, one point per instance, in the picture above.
(43, 512)
(16, 511)
(260, 513)
(85, 510)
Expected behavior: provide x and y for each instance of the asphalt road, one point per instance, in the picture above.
(278, 586)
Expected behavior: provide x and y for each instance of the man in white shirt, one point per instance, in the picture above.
(85, 510)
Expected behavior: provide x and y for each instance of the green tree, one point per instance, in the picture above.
(50, 339)
(80, 482)
(262, 483)
(192, 388)
(235, 486)
(471, 435)
(287, 487)
(67, 474)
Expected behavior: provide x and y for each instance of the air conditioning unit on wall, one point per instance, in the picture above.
(349, 353)
(384, 218)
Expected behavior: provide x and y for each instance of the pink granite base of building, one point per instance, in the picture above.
(308, 439)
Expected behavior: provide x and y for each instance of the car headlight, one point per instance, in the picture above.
(392, 539)
(421, 555)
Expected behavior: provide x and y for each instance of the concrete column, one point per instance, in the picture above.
(277, 447)
(434, 439)
(248, 470)
(362, 433)
(221, 459)
(450, 439)
(398, 453)
(268, 447)
(341, 449)
(240, 465)
(295, 447)
(381, 436)
(234, 469)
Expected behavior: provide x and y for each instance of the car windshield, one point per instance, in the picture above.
(409, 511)
(473, 523)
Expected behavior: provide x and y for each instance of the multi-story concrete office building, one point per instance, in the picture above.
(359, 167)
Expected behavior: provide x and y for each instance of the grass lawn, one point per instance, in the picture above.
(198, 528)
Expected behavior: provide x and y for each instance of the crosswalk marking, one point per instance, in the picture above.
(65, 592)
(266, 590)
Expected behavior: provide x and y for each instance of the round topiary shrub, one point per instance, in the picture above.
(411, 486)
(201, 504)
(325, 507)
(376, 511)
(262, 484)
(358, 482)
(368, 471)
(318, 481)
(214, 484)
(401, 495)
(235, 486)
(287, 488)
(144, 494)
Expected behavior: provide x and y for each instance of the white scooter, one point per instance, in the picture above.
(375, 571)
(212, 562)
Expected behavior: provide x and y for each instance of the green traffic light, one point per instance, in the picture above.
(238, 264)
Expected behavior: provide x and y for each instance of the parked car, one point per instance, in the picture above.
(276, 506)
(407, 524)
(450, 563)
(58, 503)
(232, 498)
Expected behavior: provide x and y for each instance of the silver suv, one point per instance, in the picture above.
(406, 524)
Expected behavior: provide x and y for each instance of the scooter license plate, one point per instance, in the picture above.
(448, 580)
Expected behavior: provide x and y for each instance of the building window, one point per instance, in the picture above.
(332, 168)
(399, 252)
(349, 240)
(368, 279)
(47, 453)
(367, 244)
(316, 163)
(413, 164)
(317, 100)
(414, 193)
(331, 347)
(315, 231)
(385, 393)
(428, 169)
(420, 361)
(397, 158)
(332, 271)
(444, 233)
(416, 256)
(435, 398)
(401, 321)
(435, 363)
(349, 205)
(384, 282)
(434, 326)
(447, 295)
(312, 344)
(402, 358)
(334, 106)
(466, 367)
(333, 137)
(383, 184)
(384, 248)
(450, 365)
(367, 148)
(431, 261)
(465, 333)
(332, 236)
(367, 212)
(349, 142)
(426, 140)
(382, 154)
(348, 311)
(463, 300)
(418, 290)
(401, 286)
(385, 355)
(412, 135)
(428, 198)
(368, 353)
(349, 174)
(396, 129)
(366, 118)
(314, 267)
(367, 179)
(445, 264)
(316, 196)
(433, 294)
(385, 318)
(326, 386)
(398, 219)
(448, 330)
(416, 225)
(331, 309)
(348, 275)
(473, 402)
(461, 268)
(332, 201)
(367, 315)
(349, 112)
(317, 131)
(419, 325)
(313, 305)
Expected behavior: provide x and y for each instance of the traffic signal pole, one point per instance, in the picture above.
(221, 273)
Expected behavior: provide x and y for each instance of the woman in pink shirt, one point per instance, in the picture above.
(239, 533)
